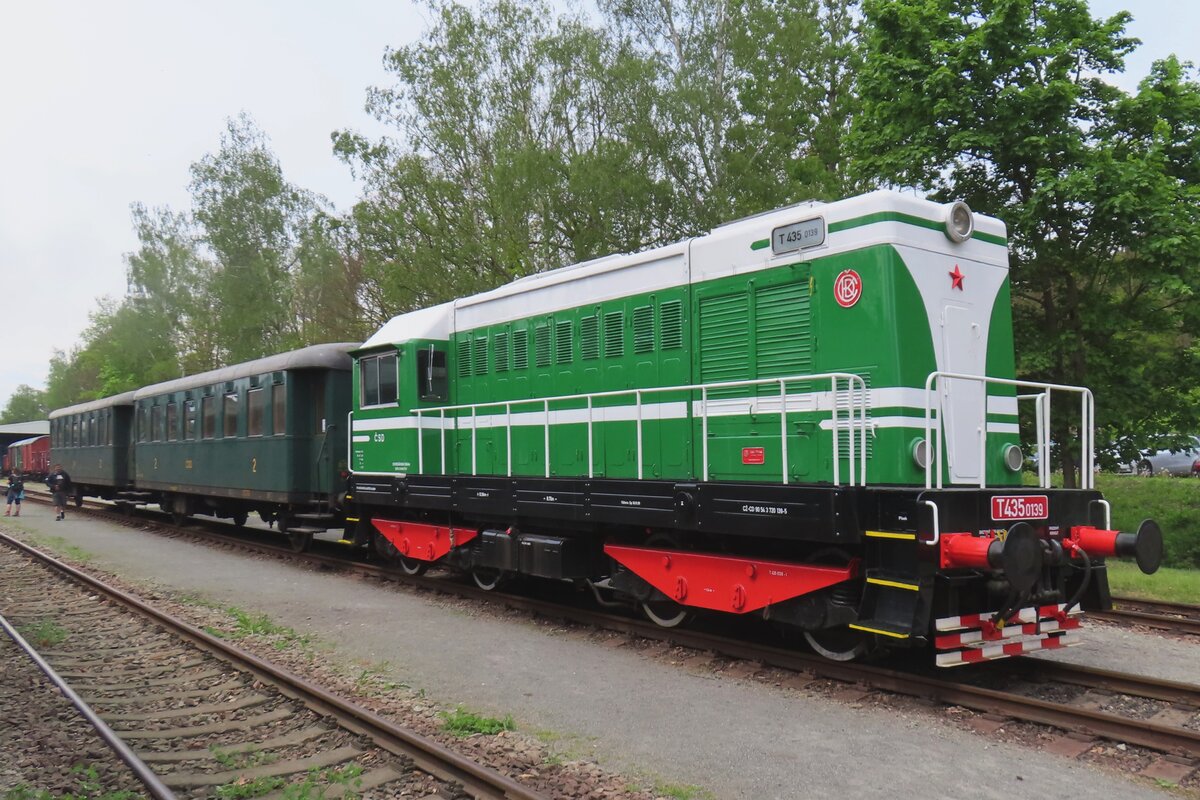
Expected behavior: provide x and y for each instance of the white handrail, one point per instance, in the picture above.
(855, 423)
(1042, 400)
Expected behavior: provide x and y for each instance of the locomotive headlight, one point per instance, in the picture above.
(920, 453)
(1014, 459)
(960, 222)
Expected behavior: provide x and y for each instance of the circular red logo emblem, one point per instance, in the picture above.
(847, 288)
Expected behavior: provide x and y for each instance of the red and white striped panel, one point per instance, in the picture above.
(972, 638)
(1029, 614)
(973, 655)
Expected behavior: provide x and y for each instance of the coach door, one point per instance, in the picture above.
(964, 350)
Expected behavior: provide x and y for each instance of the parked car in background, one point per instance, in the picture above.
(1180, 463)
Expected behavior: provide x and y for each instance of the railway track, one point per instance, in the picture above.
(1177, 618)
(1162, 716)
(191, 714)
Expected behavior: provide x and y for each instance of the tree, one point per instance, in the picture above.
(26, 404)
(1005, 104)
(250, 218)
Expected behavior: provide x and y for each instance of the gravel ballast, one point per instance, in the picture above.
(596, 696)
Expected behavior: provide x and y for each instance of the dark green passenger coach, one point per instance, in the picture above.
(266, 436)
(92, 442)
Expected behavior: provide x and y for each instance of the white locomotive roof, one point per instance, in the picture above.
(124, 399)
(882, 216)
(317, 356)
(427, 323)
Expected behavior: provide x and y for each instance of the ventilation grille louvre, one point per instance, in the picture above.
(614, 329)
(541, 345)
(589, 338)
(671, 321)
(500, 351)
(464, 358)
(643, 329)
(521, 349)
(563, 342)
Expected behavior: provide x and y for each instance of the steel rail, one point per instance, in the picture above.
(899, 681)
(427, 754)
(145, 775)
(1162, 622)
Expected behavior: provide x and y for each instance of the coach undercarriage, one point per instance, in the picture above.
(851, 567)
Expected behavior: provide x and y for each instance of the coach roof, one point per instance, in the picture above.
(125, 399)
(318, 356)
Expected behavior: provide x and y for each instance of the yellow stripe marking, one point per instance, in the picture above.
(881, 633)
(912, 587)
(351, 519)
(887, 535)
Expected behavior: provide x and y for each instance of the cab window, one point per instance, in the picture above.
(431, 373)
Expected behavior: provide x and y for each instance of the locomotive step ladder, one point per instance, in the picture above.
(891, 601)
(892, 595)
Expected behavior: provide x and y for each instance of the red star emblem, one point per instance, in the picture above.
(956, 279)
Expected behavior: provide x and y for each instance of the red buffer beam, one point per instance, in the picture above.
(722, 583)
(423, 542)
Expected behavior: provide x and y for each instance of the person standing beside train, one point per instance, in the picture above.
(60, 484)
(16, 493)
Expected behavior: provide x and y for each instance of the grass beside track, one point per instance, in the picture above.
(1168, 584)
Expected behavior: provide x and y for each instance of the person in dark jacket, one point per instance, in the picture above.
(60, 484)
(16, 493)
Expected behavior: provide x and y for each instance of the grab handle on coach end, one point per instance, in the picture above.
(1146, 546)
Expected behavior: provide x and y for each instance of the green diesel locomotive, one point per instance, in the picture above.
(810, 415)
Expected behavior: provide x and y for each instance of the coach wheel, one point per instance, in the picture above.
(179, 518)
(240, 518)
(487, 578)
(79, 499)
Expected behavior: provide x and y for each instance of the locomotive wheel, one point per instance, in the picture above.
(841, 643)
(240, 518)
(487, 578)
(300, 541)
(664, 612)
(389, 553)
(658, 608)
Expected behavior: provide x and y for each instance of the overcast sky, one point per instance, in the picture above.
(106, 104)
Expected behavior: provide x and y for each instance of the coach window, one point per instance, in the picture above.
(143, 424)
(431, 371)
(189, 419)
(230, 413)
(278, 409)
(208, 417)
(156, 424)
(172, 422)
(256, 408)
